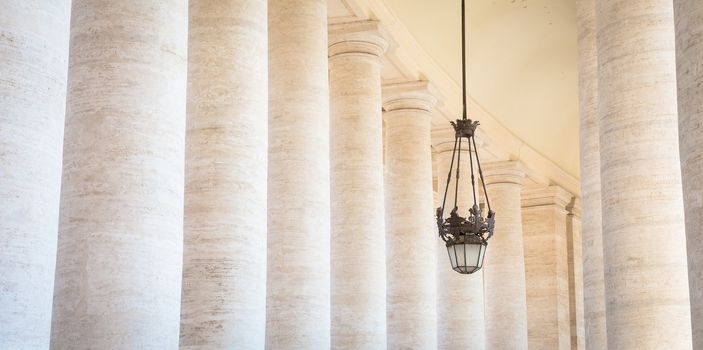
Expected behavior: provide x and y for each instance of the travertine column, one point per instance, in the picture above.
(33, 64)
(410, 242)
(460, 309)
(689, 57)
(224, 256)
(547, 267)
(646, 276)
(504, 265)
(593, 274)
(575, 251)
(358, 249)
(298, 278)
(118, 273)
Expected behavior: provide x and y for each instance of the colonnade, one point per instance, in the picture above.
(640, 146)
(236, 174)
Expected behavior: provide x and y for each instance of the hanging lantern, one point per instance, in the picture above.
(466, 237)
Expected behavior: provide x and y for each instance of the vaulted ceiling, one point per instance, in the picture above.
(521, 60)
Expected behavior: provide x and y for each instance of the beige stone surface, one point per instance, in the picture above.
(504, 265)
(460, 304)
(547, 267)
(33, 64)
(118, 273)
(646, 276)
(592, 235)
(410, 239)
(688, 15)
(224, 262)
(298, 278)
(575, 251)
(358, 249)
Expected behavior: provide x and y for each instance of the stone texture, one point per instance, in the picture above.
(460, 306)
(592, 235)
(358, 249)
(575, 251)
(224, 261)
(118, 273)
(689, 58)
(410, 244)
(504, 265)
(33, 64)
(547, 267)
(298, 278)
(646, 276)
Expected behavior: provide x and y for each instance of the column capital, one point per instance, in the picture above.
(544, 196)
(511, 171)
(575, 207)
(360, 38)
(420, 95)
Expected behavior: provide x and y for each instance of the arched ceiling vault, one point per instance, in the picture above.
(522, 71)
(521, 59)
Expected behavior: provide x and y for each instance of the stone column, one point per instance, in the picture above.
(689, 56)
(33, 63)
(298, 278)
(504, 265)
(358, 249)
(460, 308)
(575, 251)
(547, 267)
(593, 274)
(118, 273)
(224, 259)
(646, 274)
(410, 242)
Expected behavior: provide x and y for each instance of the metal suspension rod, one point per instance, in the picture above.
(473, 181)
(480, 174)
(449, 178)
(463, 55)
(458, 167)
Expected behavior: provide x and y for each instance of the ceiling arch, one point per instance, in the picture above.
(522, 64)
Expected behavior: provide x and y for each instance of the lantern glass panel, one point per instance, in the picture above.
(473, 252)
(460, 255)
(452, 255)
(466, 258)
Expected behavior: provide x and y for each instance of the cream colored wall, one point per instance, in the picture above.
(521, 61)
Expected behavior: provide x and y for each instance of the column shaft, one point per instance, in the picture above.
(593, 273)
(33, 64)
(411, 260)
(504, 265)
(689, 56)
(646, 277)
(298, 278)
(547, 267)
(118, 275)
(224, 263)
(460, 306)
(358, 249)
(575, 250)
